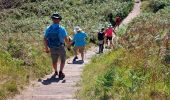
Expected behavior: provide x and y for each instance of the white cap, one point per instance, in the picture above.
(77, 28)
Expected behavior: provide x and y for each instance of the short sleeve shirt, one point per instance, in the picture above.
(80, 39)
(62, 33)
(109, 32)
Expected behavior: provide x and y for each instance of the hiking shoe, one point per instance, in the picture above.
(82, 61)
(75, 58)
(61, 75)
(55, 74)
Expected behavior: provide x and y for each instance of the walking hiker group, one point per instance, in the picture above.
(106, 36)
(56, 38)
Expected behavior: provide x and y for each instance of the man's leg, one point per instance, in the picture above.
(75, 53)
(55, 66)
(62, 53)
(107, 41)
(81, 49)
(62, 64)
(82, 56)
(102, 47)
(111, 44)
(54, 57)
(99, 47)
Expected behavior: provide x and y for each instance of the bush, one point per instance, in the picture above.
(156, 5)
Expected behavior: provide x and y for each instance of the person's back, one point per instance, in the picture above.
(80, 39)
(101, 40)
(109, 32)
(79, 43)
(118, 21)
(101, 35)
(55, 36)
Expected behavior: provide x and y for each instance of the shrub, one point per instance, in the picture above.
(156, 5)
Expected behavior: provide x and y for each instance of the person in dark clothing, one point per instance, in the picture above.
(101, 36)
(118, 21)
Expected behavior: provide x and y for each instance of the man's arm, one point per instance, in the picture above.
(114, 31)
(46, 46)
(68, 43)
(67, 40)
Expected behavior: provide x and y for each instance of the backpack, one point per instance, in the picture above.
(53, 39)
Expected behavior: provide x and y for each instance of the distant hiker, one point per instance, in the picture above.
(166, 48)
(118, 21)
(79, 40)
(54, 38)
(101, 40)
(109, 33)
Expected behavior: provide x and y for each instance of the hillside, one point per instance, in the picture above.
(22, 24)
(139, 67)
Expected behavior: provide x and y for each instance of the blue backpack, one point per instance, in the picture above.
(53, 38)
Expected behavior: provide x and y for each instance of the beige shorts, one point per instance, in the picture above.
(56, 53)
(79, 49)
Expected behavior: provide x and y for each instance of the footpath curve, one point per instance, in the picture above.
(54, 89)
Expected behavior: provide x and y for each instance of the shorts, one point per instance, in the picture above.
(101, 42)
(56, 53)
(79, 48)
(109, 38)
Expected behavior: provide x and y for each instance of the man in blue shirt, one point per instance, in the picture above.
(79, 40)
(54, 37)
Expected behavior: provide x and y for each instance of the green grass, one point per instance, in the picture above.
(137, 68)
(121, 75)
(154, 5)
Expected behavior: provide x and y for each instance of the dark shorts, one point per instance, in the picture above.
(59, 52)
(109, 38)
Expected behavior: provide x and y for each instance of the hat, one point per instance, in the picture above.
(110, 25)
(56, 16)
(77, 28)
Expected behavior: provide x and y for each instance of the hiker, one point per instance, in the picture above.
(109, 33)
(118, 21)
(54, 37)
(79, 40)
(101, 40)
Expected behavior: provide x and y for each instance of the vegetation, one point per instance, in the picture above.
(138, 68)
(154, 5)
(22, 24)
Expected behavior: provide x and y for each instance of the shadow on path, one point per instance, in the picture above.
(52, 79)
(76, 62)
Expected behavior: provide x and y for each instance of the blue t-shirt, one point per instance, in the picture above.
(55, 35)
(80, 39)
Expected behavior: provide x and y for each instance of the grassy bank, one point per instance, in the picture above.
(22, 24)
(138, 68)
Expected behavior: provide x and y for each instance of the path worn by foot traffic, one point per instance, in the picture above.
(135, 12)
(54, 89)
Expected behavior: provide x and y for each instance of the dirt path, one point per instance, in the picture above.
(135, 12)
(55, 89)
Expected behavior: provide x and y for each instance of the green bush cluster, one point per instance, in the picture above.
(154, 5)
